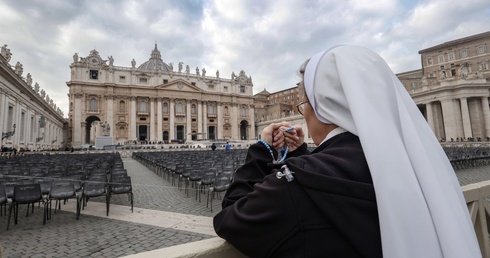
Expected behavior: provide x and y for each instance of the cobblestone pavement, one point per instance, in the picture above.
(100, 236)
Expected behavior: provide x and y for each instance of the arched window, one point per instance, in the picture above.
(211, 108)
(243, 111)
(165, 108)
(143, 106)
(180, 108)
(93, 104)
(122, 106)
(226, 111)
(193, 109)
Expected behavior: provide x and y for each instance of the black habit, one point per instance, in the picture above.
(328, 210)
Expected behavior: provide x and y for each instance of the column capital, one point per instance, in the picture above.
(78, 95)
(133, 98)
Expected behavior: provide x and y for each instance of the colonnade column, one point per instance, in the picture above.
(234, 122)
(159, 120)
(188, 118)
(486, 115)
(430, 116)
(110, 114)
(199, 119)
(2, 110)
(465, 114)
(172, 119)
(251, 114)
(132, 120)
(152, 120)
(77, 122)
(449, 119)
(205, 119)
(219, 106)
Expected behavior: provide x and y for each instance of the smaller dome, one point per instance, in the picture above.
(155, 63)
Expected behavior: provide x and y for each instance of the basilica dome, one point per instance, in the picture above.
(155, 63)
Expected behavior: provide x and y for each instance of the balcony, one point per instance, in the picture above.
(93, 111)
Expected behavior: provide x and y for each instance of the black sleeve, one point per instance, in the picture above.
(257, 166)
(256, 203)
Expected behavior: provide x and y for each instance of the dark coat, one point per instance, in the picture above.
(328, 210)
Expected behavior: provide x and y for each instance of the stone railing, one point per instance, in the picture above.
(476, 199)
(475, 195)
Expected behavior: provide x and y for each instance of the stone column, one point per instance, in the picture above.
(188, 122)
(486, 115)
(132, 120)
(16, 121)
(3, 109)
(205, 119)
(235, 125)
(252, 122)
(110, 113)
(465, 114)
(159, 120)
(219, 117)
(172, 120)
(430, 116)
(449, 119)
(200, 116)
(152, 136)
(77, 122)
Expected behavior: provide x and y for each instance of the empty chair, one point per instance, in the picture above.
(221, 184)
(95, 187)
(3, 200)
(62, 190)
(120, 185)
(25, 194)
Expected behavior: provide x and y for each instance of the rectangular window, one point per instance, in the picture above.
(480, 49)
(142, 118)
(193, 83)
(122, 78)
(440, 59)
(225, 89)
(194, 120)
(429, 61)
(210, 87)
(143, 80)
(94, 74)
(450, 56)
(165, 81)
(242, 89)
(464, 53)
(453, 72)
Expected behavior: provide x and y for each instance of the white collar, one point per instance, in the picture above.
(333, 133)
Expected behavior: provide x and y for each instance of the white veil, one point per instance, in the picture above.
(421, 208)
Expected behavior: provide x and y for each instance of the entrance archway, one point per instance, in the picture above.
(244, 130)
(88, 127)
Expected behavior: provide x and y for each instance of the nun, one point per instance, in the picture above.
(378, 184)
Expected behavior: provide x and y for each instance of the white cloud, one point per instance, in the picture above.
(267, 39)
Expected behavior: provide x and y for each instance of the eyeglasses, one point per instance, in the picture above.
(299, 106)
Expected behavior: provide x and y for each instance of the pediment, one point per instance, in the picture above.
(179, 85)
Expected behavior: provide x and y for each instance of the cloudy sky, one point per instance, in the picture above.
(267, 39)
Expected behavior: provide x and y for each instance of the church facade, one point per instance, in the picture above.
(156, 102)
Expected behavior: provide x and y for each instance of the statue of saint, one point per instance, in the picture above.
(187, 70)
(111, 61)
(180, 67)
(6, 53)
(19, 69)
(233, 76)
(43, 94)
(197, 71)
(217, 73)
(106, 128)
(171, 66)
(36, 87)
(75, 58)
(203, 72)
(133, 63)
(29, 79)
